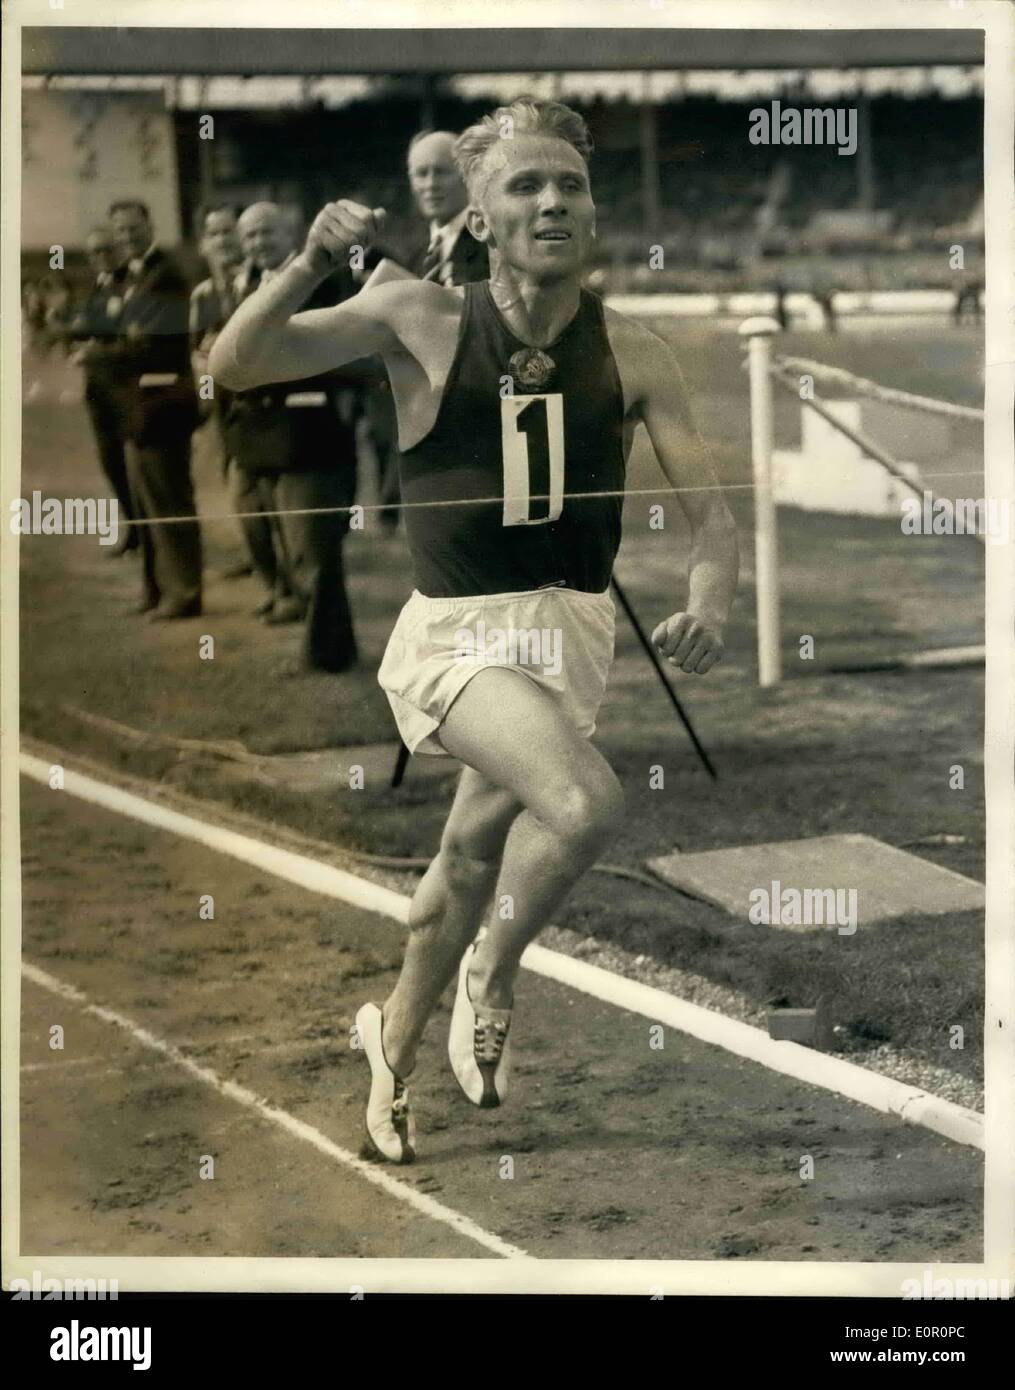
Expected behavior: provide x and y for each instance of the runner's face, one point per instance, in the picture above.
(537, 205)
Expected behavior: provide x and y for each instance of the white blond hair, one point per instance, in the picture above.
(525, 116)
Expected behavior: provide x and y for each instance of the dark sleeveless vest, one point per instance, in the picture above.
(520, 435)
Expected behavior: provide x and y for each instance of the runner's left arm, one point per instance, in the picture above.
(691, 638)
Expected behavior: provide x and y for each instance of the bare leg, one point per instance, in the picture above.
(514, 738)
(447, 911)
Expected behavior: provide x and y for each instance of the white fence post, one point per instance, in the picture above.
(758, 332)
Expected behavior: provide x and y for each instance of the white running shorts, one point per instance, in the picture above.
(560, 638)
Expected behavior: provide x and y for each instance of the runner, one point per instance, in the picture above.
(517, 401)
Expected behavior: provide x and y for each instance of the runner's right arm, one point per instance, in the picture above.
(266, 340)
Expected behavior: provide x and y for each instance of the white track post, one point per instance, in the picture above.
(758, 332)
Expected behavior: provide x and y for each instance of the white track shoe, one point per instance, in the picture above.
(478, 1045)
(391, 1130)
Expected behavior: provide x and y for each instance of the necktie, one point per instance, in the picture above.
(433, 260)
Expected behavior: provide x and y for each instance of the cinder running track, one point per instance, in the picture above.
(618, 1150)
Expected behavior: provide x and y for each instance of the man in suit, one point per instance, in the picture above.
(449, 254)
(95, 320)
(213, 300)
(211, 303)
(150, 365)
(296, 444)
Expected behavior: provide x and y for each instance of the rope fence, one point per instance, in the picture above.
(763, 368)
(839, 376)
(857, 437)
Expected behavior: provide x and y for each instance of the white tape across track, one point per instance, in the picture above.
(856, 1083)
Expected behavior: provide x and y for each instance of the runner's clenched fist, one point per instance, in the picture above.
(689, 642)
(336, 229)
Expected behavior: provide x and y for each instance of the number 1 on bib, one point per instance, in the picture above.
(532, 435)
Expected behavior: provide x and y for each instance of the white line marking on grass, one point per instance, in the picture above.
(791, 1059)
(462, 1225)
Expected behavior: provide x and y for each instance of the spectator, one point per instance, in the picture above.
(826, 298)
(96, 321)
(56, 312)
(211, 303)
(150, 365)
(452, 255)
(967, 300)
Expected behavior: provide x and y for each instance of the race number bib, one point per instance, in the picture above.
(532, 437)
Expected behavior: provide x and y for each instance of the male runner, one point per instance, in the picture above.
(525, 390)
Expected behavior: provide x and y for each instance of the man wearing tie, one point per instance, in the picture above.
(149, 361)
(96, 321)
(451, 255)
(213, 300)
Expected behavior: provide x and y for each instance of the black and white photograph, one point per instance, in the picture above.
(508, 654)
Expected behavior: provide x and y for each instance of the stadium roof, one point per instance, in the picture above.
(74, 50)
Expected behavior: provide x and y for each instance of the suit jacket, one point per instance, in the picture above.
(148, 361)
(211, 305)
(96, 318)
(470, 259)
(298, 426)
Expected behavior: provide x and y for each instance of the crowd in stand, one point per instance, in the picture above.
(142, 336)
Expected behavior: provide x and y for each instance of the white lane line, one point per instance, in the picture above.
(435, 1210)
(869, 1088)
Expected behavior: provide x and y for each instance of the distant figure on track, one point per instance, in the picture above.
(967, 301)
(525, 390)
